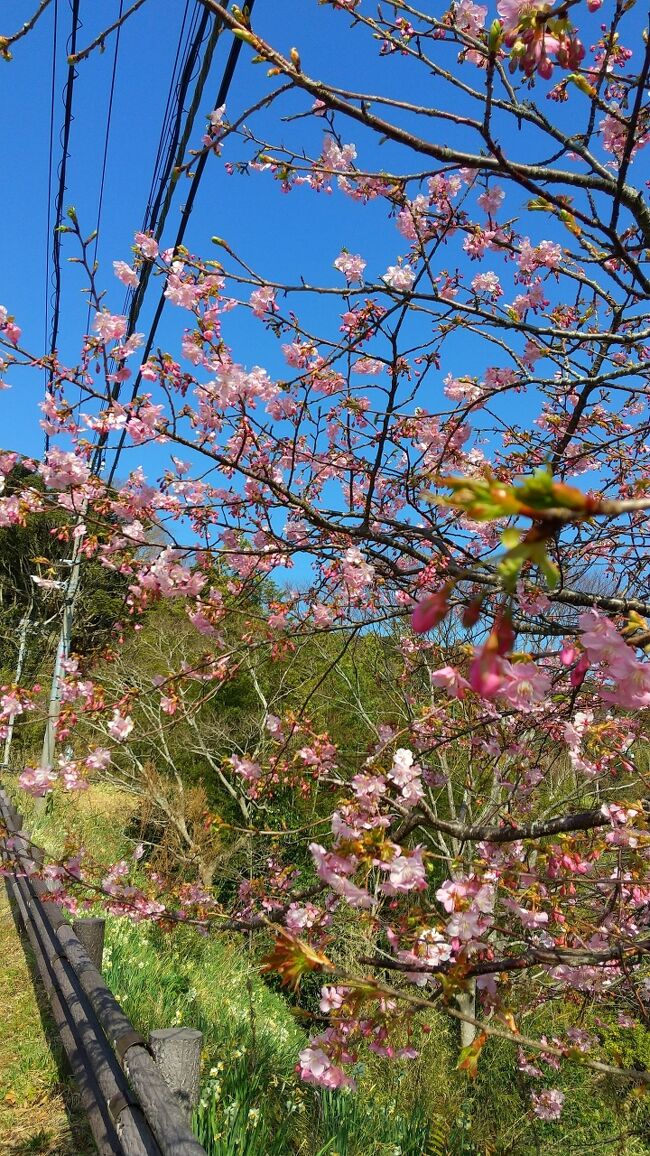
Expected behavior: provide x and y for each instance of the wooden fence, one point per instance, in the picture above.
(130, 1107)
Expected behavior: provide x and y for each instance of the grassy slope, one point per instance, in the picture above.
(38, 1109)
(252, 1040)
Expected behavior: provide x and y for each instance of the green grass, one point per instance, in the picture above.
(39, 1107)
(252, 1102)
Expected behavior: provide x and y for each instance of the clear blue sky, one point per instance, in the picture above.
(279, 235)
(275, 233)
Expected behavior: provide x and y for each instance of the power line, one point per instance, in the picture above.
(192, 50)
(180, 81)
(72, 585)
(222, 95)
(155, 215)
(56, 248)
(50, 166)
(109, 116)
(185, 40)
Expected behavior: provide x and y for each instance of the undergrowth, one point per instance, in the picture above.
(252, 1102)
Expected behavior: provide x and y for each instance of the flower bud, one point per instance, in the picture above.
(430, 611)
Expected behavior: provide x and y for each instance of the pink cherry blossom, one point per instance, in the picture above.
(120, 726)
(512, 11)
(184, 293)
(492, 199)
(450, 680)
(37, 781)
(62, 470)
(369, 366)
(274, 727)
(547, 1105)
(300, 917)
(125, 273)
(11, 706)
(262, 301)
(216, 117)
(406, 873)
(315, 1067)
(109, 326)
(250, 771)
(326, 867)
(351, 265)
(487, 283)
(463, 389)
(430, 947)
(399, 277)
(525, 686)
(331, 998)
(469, 17)
(614, 136)
(147, 246)
(8, 327)
(98, 759)
(467, 925)
(404, 767)
(357, 573)
(452, 893)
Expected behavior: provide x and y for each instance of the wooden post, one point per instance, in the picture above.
(90, 933)
(177, 1051)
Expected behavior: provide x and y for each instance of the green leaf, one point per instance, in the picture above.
(510, 538)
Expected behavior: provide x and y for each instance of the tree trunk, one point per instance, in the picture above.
(467, 1006)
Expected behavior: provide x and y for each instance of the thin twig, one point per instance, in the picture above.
(99, 41)
(7, 41)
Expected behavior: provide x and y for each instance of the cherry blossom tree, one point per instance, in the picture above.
(452, 459)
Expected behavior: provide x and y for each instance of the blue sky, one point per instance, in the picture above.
(278, 234)
(251, 212)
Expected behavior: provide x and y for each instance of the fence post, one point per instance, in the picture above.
(177, 1051)
(90, 933)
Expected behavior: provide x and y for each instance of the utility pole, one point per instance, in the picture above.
(20, 662)
(62, 652)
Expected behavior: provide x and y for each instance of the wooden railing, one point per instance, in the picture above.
(130, 1107)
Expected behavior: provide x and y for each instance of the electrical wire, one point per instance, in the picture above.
(107, 135)
(182, 49)
(98, 450)
(155, 215)
(50, 169)
(58, 213)
(222, 95)
(185, 79)
(163, 183)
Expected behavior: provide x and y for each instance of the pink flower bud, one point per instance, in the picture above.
(430, 611)
(568, 654)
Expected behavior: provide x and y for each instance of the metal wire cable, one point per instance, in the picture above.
(155, 216)
(221, 97)
(197, 36)
(50, 169)
(181, 53)
(109, 116)
(166, 127)
(65, 143)
(189, 55)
